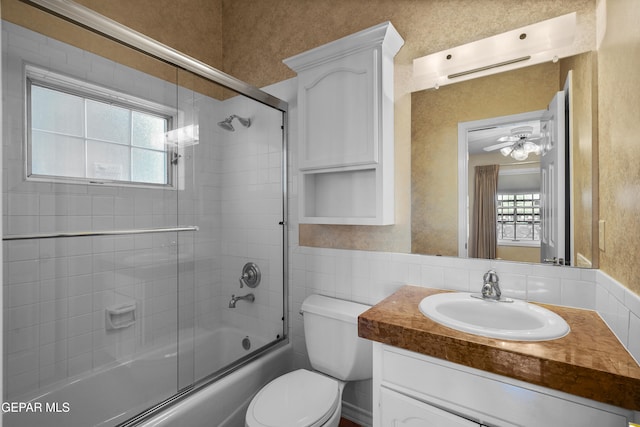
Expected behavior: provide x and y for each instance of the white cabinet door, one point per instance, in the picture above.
(340, 113)
(399, 410)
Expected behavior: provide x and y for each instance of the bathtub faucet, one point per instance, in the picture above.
(235, 299)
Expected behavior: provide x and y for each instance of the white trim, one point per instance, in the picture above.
(356, 414)
(527, 171)
(55, 81)
(520, 243)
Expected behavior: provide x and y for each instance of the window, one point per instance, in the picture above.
(518, 219)
(82, 132)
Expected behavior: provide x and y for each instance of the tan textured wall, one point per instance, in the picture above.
(619, 147)
(434, 150)
(518, 253)
(193, 27)
(584, 127)
(259, 35)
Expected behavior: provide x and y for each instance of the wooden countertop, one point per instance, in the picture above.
(588, 362)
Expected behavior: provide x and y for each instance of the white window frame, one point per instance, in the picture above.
(513, 242)
(62, 83)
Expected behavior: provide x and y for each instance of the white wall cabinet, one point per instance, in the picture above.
(411, 389)
(346, 152)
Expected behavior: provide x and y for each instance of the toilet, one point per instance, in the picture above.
(306, 398)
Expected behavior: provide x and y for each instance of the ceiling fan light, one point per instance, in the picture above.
(531, 147)
(519, 154)
(506, 150)
(522, 131)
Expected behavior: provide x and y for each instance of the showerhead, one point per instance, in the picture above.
(244, 122)
(226, 123)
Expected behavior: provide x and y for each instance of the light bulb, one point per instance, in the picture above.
(531, 147)
(519, 154)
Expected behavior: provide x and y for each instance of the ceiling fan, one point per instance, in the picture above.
(519, 144)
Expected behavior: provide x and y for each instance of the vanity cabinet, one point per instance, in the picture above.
(345, 128)
(399, 410)
(411, 390)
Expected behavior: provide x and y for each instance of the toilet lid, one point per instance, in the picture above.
(298, 399)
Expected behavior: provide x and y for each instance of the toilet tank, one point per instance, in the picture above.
(331, 334)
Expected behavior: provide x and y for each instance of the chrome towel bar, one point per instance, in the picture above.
(99, 233)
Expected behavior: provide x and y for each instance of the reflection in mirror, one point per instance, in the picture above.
(503, 102)
(505, 220)
(516, 201)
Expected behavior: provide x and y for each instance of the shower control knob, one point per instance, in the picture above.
(250, 275)
(242, 278)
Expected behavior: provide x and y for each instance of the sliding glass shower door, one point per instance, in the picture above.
(231, 293)
(143, 228)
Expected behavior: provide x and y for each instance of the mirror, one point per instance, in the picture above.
(438, 209)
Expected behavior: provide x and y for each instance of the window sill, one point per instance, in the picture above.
(522, 243)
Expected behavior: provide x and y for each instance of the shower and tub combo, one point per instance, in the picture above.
(134, 220)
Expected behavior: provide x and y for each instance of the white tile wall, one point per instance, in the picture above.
(251, 211)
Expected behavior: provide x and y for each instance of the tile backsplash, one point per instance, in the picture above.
(368, 277)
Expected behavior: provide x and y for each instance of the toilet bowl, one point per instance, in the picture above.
(306, 398)
(298, 399)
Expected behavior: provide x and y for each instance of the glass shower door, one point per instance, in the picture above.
(90, 230)
(232, 188)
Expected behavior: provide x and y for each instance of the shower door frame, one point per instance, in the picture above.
(82, 16)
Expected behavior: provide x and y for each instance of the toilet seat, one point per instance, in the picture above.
(298, 399)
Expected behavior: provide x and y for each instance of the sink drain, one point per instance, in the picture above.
(246, 343)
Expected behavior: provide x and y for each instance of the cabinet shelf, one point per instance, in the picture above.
(342, 197)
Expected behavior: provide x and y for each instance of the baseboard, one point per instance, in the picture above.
(356, 414)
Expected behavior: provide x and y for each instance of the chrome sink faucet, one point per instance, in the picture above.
(235, 299)
(491, 286)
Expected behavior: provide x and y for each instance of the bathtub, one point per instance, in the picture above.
(224, 403)
(110, 396)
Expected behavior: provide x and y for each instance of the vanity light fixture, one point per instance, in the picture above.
(541, 42)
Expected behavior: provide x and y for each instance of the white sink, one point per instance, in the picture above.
(517, 320)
